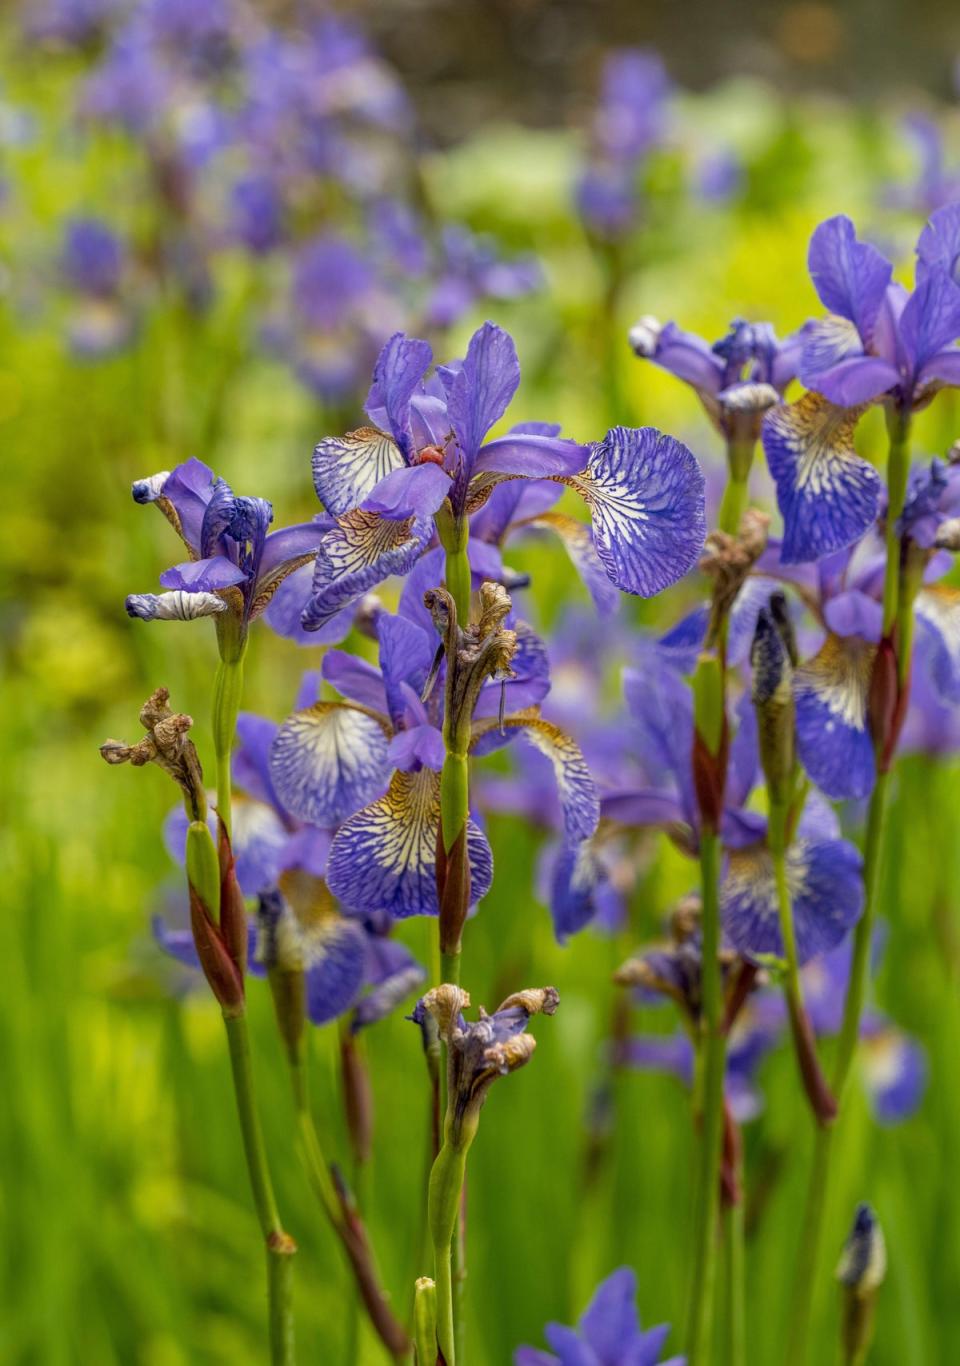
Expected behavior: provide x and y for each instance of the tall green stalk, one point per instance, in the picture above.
(713, 1044)
(897, 602)
(280, 1246)
(227, 693)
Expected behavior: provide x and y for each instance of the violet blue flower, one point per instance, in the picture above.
(608, 1333)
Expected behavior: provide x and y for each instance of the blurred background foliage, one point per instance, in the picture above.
(129, 1236)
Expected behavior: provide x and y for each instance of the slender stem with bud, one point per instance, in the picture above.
(897, 601)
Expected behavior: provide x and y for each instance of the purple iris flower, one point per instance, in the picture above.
(879, 342)
(608, 1333)
(378, 754)
(131, 87)
(347, 959)
(823, 871)
(470, 269)
(71, 23)
(736, 378)
(429, 446)
(934, 186)
(92, 263)
(234, 564)
(256, 213)
(629, 121)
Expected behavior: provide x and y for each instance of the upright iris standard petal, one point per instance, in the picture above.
(827, 494)
(930, 322)
(348, 468)
(833, 740)
(400, 367)
(826, 889)
(835, 364)
(327, 761)
(361, 551)
(479, 392)
(850, 277)
(645, 491)
(938, 611)
(406, 654)
(383, 858)
(608, 1334)
(938, 246)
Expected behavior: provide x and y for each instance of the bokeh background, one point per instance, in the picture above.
(128, 1232)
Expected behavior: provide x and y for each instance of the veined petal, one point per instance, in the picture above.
(833, 740)
(400, 367)
(575, 878)
(575, 787)
(285, 609)
(827, 494)
(531, 456)
(419, 746)
(360, 552)
(826, 889)
(327, 761)
(931, 318)
(177, 605)
(183, 500)
(203, 576)
(938, 609)
(329, 948)
(850, 277)
(384, 857)
(645, 491)
(834, 363)
(479, 393)
(938, 246)
(347, 468)
(577, 540)
(417, 491)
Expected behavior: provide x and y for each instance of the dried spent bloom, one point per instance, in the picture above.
(482, 1050)
(165, 744)
(728, 560)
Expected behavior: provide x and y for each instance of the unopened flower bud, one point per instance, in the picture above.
(773, 703)
(862, 1268)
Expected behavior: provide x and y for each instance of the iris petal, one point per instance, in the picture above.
(327, 761)
(850, 277)
(645, 491)
(383, 858)
(578, 542)
(347, 468)
(361, 551)
(833, 739)
(575, 787)
(827, 494)
(825, 886)
(938, 609)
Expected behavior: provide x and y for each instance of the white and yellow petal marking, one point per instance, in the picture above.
(827, 494)
(831, 693)
(384, 857)
(575, 787)
(826, 889)
(312, 937)
(329, 760)
(361, 551)
(938, 610)
(347, 468)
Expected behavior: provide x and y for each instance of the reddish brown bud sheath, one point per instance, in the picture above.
(357, 1098)
(731, 1160)
(883, 703)
(453, 890)
(233, 915)
(818, 1093)
(709, 779)
(218, 965)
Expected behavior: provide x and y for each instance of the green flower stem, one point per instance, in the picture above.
(425, 1321)
(454, 533)
(227, 691)
(736, 1308)
(280, 1246)
(713, 1045)
(895, 608)
(736, 493)
(446, 1187)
